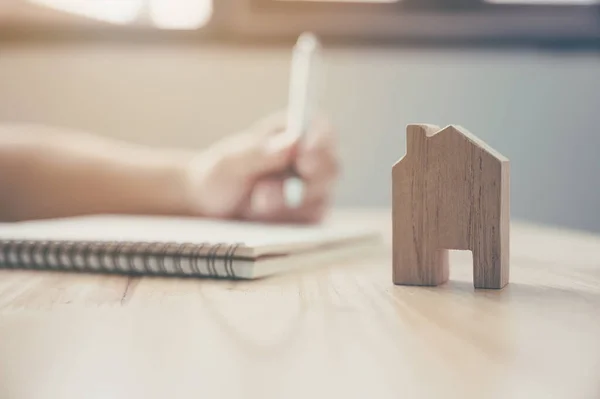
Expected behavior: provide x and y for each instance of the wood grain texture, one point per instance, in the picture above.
(450, 192)
(344, 331)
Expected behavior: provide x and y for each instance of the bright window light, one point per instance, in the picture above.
(180, 14)
(112, 11)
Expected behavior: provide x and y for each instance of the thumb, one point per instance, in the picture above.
(269, 155)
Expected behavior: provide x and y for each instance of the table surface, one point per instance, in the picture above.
(339, 331)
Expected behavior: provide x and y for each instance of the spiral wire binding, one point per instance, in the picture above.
(120, 257)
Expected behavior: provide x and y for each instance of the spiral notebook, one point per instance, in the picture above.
(177, 246)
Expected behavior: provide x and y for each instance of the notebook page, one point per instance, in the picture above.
(262, 238)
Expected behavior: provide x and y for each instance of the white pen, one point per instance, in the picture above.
(301, 104)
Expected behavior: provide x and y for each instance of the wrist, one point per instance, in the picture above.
(172, 188)
(192, 172)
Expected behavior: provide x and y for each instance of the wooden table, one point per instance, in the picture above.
(341, 331)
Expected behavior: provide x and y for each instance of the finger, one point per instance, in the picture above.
(267, 199)
(268, 204)
(321, 134)
(249, 157)
(316, 155)
(272, 150)
(309, 213)
(312, 212)
(271, 125)
(314, 188)
(318, 165)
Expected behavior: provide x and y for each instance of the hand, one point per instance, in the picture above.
(242, 176)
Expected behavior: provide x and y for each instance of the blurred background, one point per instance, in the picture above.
(524, 75)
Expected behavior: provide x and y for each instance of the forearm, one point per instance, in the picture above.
(52, 173)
